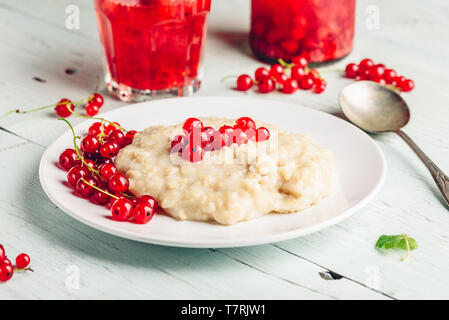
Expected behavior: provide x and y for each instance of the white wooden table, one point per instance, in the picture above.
(36, 48)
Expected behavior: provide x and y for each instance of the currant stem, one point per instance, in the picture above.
(101, 190)
(75, 137)
(228, 77)
(407, 246)
(43, 107)
(95, 118)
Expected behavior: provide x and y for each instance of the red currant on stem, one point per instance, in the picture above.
(143, 212)
(297, 73)
(244, 82)
(319, 85)
(90, 144)
(107, 170)
(109, 149)
(84, 186)
(306, 83)
(6, 272)
(245, 123)
(300, 61)
(406, 85)
(97, 99)
(69, 159)
(118, 136)
(290, 86)
(266, 85)
(75, 174)
(64, 107)
(365, 64)
(352, 70)
(22, 261)
(192, 123)
(92, 109)
(261, 73)
(276, 69)
(2, 253)
(262, 134)
(118, 183)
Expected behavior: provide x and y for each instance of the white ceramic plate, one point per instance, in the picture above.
(360, 166)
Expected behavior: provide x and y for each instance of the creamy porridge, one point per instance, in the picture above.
(287, 173)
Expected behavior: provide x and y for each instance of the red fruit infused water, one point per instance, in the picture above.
(152, 47)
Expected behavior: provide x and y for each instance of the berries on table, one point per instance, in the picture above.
(2, 253)
(266, 85)
(290, 86)
(352, 70)
(6, 272)
(97, 99)
(261, 73)
(244, 82)
(368, 70)
(92, 109)
(63, 108)
(306, 83)
(319, 85)
(297, 73)
(22, 261)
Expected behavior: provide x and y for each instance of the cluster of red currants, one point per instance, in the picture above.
(198, 139)
(287, 77)
(368, 70)
(65, 107)
(6, 267)
(91, 171)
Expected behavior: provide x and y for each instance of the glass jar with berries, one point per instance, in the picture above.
(320, 30)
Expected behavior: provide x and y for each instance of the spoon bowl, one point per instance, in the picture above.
(375, 108)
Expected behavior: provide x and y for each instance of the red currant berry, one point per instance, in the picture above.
(306, 83)
(297, 73)
(352, 71)
(261, 73)
(245, 123)
(121, 209)
(107, 170)
(281, 78)
(75, 174)
(88, 163)
(101, 197)
(276, 69)
(22, 261)
(111, 126)
(266, 85)
(129, 137)
(97, 99)
(2, 253)
(149, 200)
(109, 149)
(244, 82)
(300, 61)
(178, 143)
(365, 64)
(95, 129)
(6, 272)
(376, 72)
(83, 188)
(262, 134)
(319, 86)
(92, 109)
(290, 86)
(390, 75)
(191, 124)
(69, 159)
(314, 74)
(90, 144)
(5, 261)
(117, 136)
(216, 142)
(118, 183)
(63, 108)
(208, 133)
(406, 85)
(143, 212)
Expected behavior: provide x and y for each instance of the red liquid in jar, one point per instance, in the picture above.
(321, 30)
(152, 44)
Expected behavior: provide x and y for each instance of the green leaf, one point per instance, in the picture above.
(401, 241)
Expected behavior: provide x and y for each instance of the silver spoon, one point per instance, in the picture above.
(377, 109)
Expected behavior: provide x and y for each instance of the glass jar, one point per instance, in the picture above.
(152, 47)
(321, 30)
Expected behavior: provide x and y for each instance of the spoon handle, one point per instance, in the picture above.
(440, 178)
